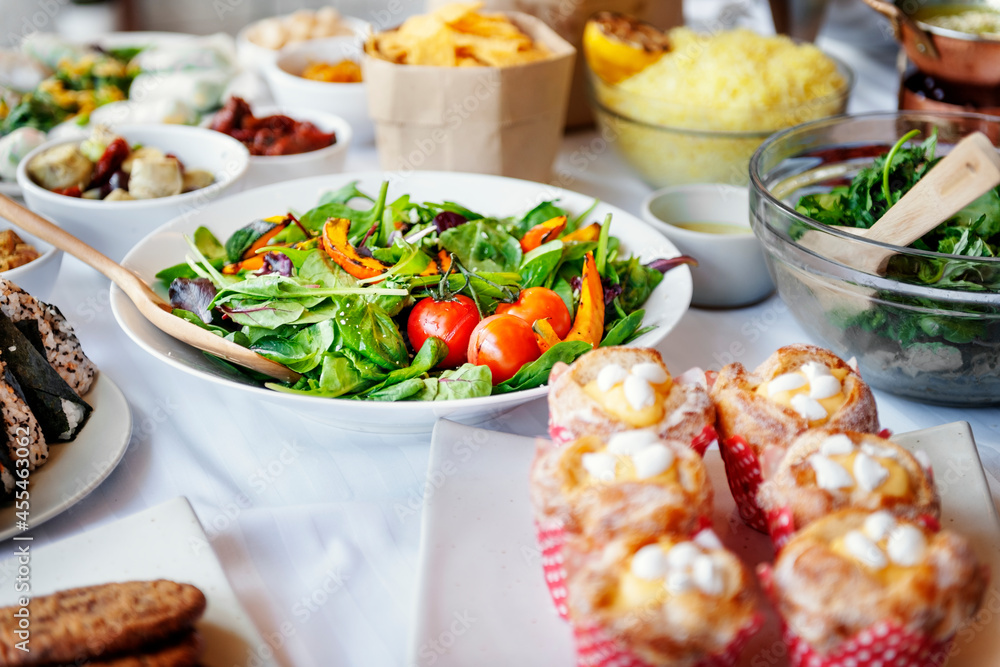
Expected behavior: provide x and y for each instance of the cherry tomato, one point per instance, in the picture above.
(504, 343)
(451, 321)
(537, 303)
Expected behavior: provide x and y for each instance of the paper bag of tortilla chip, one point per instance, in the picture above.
(568, 17)
(463, 113)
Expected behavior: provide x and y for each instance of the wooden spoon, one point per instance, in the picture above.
(149, 303)
(969, 170)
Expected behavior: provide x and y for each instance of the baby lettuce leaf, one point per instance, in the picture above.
(344, 195)
(367, 329)
(624, 329)
(482, 245)
(538, 264)
(466, 381)
(428, 356)
(397, 392)
(536, 216)
(301, 352)
(637, 281)
(210, 248)
(537, 372)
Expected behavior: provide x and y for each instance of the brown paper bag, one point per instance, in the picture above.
(567, 17)
(488, 120)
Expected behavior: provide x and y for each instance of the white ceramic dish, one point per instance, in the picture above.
(347, 100)
(268, 169)
(491, 195)
(731, 269)
(10, 189)
(38, 276)
(115, 226)
(76, 468)
(479, 558)
(254, 57)
(163, 542)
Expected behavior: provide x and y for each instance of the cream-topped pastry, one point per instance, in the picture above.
(824, 471)
(814, 391)
(633, 482)
(797, 388)
(672, 601)
(616, 389)
(851, 570)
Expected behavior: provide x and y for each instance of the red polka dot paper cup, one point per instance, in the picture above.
(552, 540)
(595, 647)
(884, 644)
(743, 472)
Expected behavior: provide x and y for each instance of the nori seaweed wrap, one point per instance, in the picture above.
(59, 410)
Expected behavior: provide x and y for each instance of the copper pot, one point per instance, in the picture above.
(946, 54)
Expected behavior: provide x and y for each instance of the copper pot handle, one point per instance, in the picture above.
(924, 42)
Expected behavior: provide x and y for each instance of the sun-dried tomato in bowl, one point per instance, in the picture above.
(269, 135)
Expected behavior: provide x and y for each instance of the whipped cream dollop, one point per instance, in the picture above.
(808, 385)
(638, 382)
(649, 456)
(867, 472)
(684, 567)
(905, 545)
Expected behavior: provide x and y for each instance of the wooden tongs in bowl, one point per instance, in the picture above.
(969, 170)
(149, 303)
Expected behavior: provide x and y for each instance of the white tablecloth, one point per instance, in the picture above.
(317, 528)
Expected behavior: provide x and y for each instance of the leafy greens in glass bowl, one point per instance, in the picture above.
(929, 328)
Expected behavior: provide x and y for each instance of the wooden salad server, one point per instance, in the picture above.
(149, 303)
(968, 171)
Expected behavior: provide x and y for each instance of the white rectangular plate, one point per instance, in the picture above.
(163, 542)
(482, 599)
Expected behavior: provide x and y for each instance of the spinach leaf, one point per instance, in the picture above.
(482, 245)
(466, 381)
(430, 355)
(367, 329)
(210, 248)
(538, 264)
(301, 352)
(536, 373)
(361, 220)
(536, 216)
(637, 280)
(345, 195)
(270, 313)
(624, 329)
(398, 392)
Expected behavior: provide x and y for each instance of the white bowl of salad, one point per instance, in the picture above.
(115, 186)
(405, 298)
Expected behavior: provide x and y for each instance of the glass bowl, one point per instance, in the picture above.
(678, 144)
(934, 344)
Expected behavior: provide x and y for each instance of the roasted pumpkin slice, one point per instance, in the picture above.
(542, 233)
(617, 46)
(341, 251)
(589, 322)
(591, 232)
(245, 242)
(545, 335)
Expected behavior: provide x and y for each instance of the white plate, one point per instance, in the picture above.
(163, 542)
(10, 189)
(481, 589)
(76, 468)
(489, 195)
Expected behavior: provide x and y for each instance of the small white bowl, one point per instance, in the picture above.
(347, 100)
(254, 57)
(731, 269)
(113, 227)
(267, 169)
(37, 277)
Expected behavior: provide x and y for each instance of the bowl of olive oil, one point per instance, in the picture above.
(711, 222)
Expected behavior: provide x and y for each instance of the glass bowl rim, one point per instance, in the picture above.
(814, 225)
